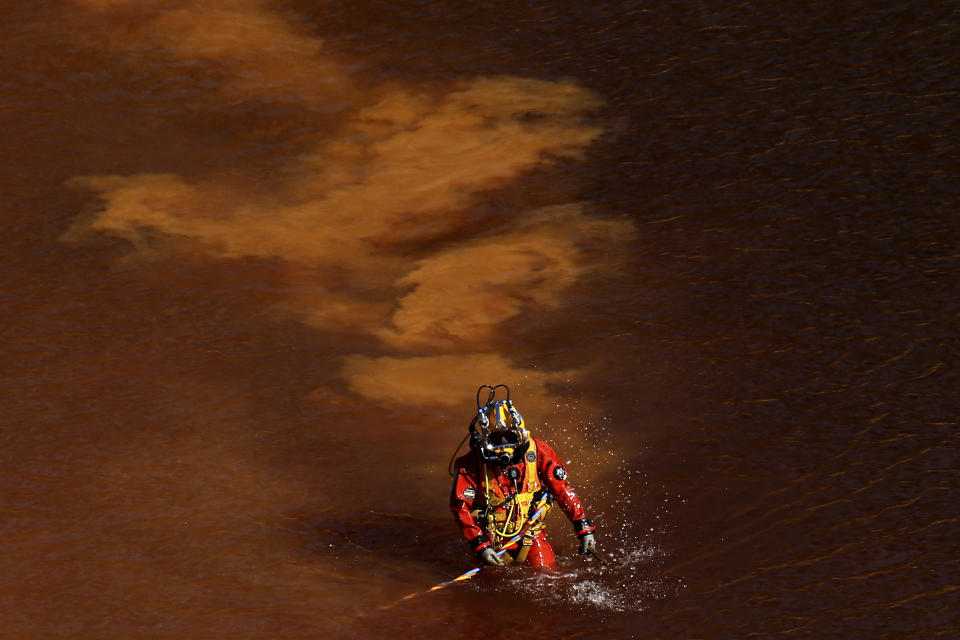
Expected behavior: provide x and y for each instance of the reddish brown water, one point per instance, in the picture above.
(259, 255)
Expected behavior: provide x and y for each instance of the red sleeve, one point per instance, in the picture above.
(463, 495)
(553, 475)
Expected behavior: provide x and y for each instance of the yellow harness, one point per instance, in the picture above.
(509, 513)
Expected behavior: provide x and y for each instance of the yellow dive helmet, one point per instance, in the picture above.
(498, 432)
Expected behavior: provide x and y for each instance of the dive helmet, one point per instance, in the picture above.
(498, 433)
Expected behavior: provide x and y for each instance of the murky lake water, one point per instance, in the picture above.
(259, 256)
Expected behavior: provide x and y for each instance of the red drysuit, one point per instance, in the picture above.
(470, 491)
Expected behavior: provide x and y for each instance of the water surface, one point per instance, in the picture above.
(258, 257)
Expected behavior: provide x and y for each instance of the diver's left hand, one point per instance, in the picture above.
(587, 543)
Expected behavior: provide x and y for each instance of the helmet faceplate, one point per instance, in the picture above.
(499, 433)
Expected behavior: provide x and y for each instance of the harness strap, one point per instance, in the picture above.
(502, 526)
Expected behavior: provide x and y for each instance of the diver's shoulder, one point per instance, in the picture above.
(541, 444)
(467, 462)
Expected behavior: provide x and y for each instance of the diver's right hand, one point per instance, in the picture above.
(489, 556)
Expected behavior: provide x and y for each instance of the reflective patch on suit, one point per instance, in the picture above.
(531, 456)
(469, 493)
(560, 473)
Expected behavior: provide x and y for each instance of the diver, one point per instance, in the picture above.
(504, 486)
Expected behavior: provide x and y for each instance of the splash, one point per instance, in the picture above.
(626, 585)
(373, 217)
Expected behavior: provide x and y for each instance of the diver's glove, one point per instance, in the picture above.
(489, 556)
(584, 530)
(588, 543)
